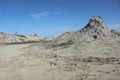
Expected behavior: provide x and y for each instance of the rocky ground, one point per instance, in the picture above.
(92, 53)
(42, 62)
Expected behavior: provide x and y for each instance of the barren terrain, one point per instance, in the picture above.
(92, 53)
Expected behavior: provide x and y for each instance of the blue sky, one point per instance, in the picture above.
(50, 18)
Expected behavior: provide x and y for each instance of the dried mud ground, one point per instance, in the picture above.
(39, 61)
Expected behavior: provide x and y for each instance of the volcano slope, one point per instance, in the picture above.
(91, 53)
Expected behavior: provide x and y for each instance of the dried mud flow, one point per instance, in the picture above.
(91, 53)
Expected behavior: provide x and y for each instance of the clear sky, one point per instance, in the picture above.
(53, 17)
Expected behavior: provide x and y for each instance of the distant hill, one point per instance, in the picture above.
(16, 38)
